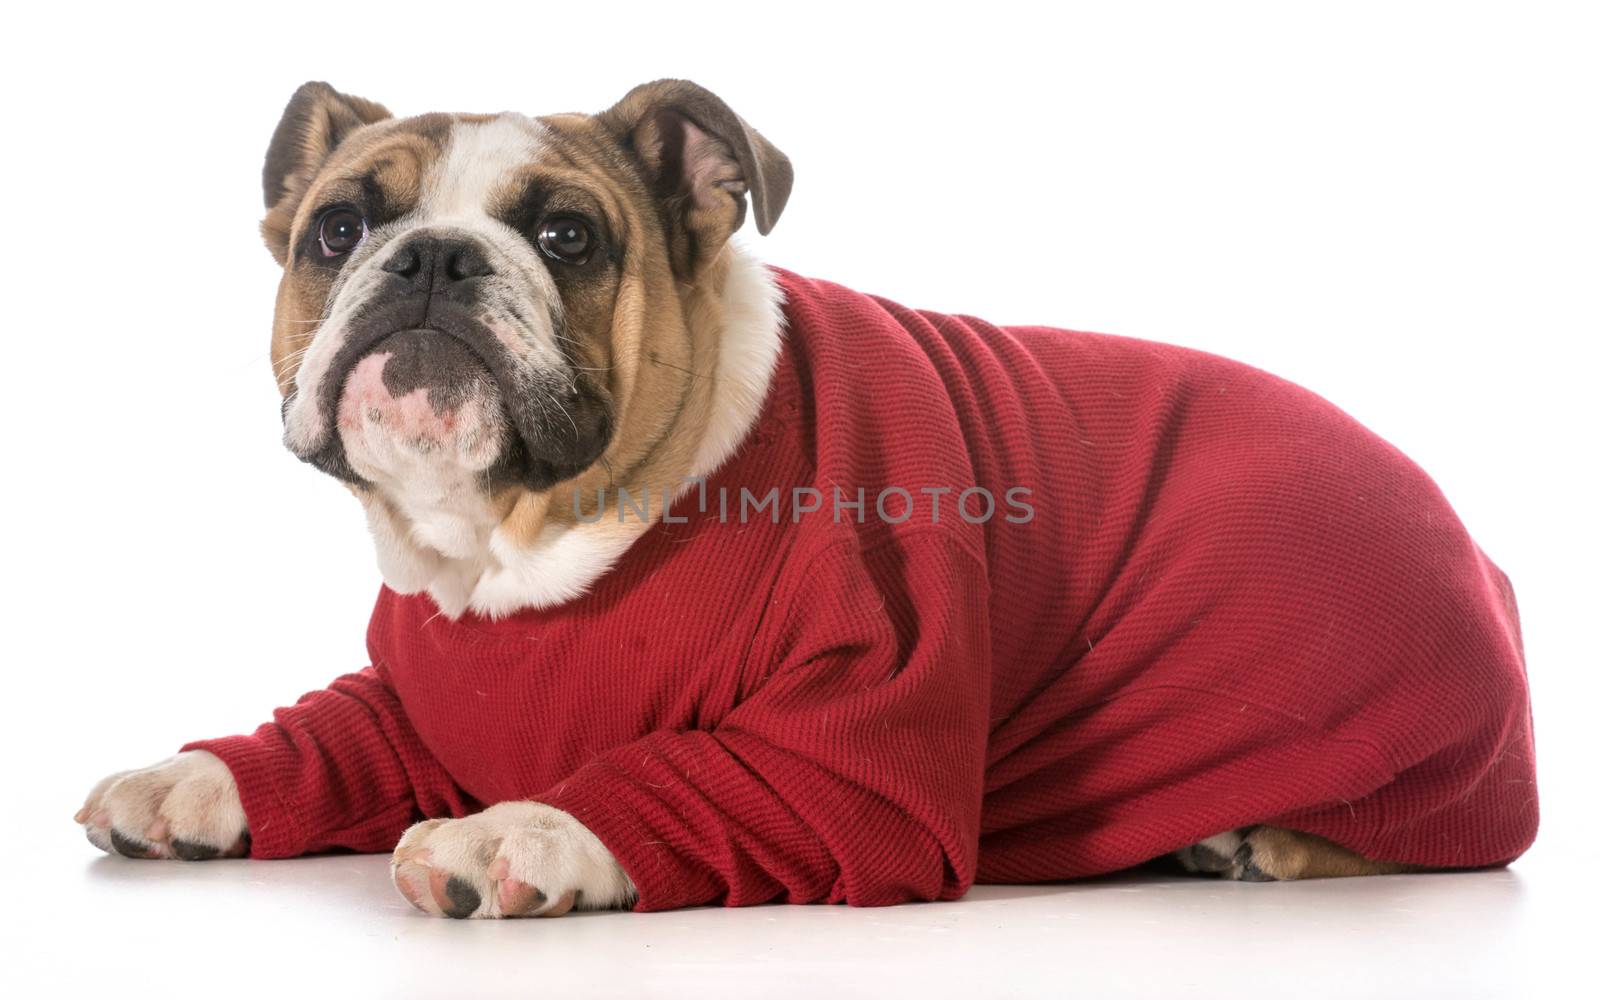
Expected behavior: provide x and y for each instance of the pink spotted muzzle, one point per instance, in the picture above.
(421, 394)
(425, 372)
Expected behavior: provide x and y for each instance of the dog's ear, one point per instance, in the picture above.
(317, 119)
(702, 159)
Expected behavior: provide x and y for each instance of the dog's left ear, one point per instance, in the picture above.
(316, 121)
(702, 160)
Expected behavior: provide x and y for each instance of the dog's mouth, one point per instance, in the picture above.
(405, 399)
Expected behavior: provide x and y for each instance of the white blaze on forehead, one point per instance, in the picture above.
(480, 157)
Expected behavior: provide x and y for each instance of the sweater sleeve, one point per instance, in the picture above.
(340, 768)
(854, 771)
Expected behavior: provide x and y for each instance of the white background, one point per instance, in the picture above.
(1395, 204)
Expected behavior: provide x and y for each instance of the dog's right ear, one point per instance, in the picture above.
(317, 119)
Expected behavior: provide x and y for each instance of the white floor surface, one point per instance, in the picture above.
(333, 926)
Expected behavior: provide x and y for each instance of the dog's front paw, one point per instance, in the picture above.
(516, 859)
(186, 807)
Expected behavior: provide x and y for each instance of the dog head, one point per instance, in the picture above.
(450, 281)
(487, 306)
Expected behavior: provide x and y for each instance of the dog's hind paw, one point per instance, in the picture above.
(1273, 854)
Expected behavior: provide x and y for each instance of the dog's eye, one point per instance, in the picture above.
(565, 238)
(341, 231)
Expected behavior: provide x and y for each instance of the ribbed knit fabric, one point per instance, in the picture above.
(1232, 604)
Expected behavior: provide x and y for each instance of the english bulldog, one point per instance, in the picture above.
(489, 324)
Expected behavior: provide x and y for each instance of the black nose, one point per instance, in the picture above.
(432, 263)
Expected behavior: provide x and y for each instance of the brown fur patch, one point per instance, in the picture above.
(1290, 854)
(394, 156)
(317, 121)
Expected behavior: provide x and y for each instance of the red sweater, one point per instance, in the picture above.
(1232, 604)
